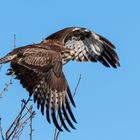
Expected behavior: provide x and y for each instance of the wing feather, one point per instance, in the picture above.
(40, 72)
(55, 120)
(62, 120)
(66, 116)
(48, 89)
(87, 46)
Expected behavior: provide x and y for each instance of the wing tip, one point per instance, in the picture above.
(109, 57)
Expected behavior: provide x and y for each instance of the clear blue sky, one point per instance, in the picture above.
(108, 100)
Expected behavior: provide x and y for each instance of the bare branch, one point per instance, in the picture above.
(0, 66)
(31, 122)
(77, 86)
(18, 125)
(1, 132)
(21, 127)
(14, 41)
(23, 123)
(7, 86)
(12, 128)
(57, 132)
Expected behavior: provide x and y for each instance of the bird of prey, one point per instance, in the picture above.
(39, 67)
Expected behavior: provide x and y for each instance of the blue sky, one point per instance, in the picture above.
(107, 100)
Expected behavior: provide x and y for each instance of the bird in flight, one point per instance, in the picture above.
(39, 67)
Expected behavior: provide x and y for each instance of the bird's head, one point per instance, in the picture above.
(68, 52)
(67, 55)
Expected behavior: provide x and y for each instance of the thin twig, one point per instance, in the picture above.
(24, 115)
(14, 41)
(1, 132)
(7, 86)
(22, 125)
(16, 121)
(77, 85)
(0, 66)
(57, 132)
(31, 127)
(32, 113)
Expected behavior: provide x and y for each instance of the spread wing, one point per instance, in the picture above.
(87, 46)
(40, 72)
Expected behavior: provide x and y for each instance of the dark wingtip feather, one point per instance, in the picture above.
(42, 107)
(103, 61)
(62, 120)
(55, 120)
(109, 60)
(10, 72)
(109, 56)
(48, 114)
(35, 97)
(70, 111)
(66, 116)
(112, 56)
(38, 103)
(70, 96)
(106, 41)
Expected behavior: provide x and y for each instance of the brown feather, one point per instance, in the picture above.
(43, 83)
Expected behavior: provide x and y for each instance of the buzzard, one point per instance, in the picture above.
(39, 68)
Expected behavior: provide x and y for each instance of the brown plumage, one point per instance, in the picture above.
(39, 68)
